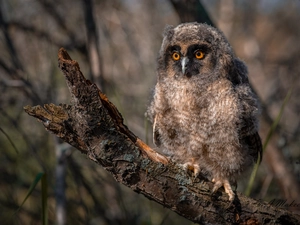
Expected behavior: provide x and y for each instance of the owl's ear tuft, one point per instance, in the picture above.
(168, 32)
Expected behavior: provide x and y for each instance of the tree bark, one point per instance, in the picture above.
(93, 125)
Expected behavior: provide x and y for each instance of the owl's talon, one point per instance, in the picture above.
(196, 170)
(227, 187)
(192, 167)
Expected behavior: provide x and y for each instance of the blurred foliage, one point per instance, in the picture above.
(265, 34)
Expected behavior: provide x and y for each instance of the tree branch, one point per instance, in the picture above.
(93, 125)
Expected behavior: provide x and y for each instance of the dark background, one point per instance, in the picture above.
(116, 44)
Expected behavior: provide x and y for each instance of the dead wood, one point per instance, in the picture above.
(93, 125)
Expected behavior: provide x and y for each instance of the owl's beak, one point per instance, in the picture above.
(184, 62)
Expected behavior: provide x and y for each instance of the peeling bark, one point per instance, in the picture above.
(93, 125)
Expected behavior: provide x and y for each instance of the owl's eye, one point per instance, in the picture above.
(176, 56)
(199, 54)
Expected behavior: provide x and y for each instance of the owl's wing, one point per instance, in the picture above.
(249, 122)
(249, 107)
(255, 146)
(248, 126)
(156, 134)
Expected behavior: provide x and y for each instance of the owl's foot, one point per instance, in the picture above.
(225, 183)
(192, 167)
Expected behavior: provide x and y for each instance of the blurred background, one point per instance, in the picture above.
(116, 43)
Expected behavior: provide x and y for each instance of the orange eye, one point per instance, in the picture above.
(199, 54)
(176, 56)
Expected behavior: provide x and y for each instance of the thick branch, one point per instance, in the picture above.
(93, 125)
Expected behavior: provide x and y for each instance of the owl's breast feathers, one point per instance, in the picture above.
(217, 113)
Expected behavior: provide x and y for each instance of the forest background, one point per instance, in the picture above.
(116, 44)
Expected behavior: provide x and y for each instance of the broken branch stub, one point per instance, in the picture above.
(84, 94)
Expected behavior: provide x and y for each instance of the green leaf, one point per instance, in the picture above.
(31, 188)
(43, 177)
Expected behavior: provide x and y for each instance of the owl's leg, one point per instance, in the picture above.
(225, 183)
(192, 166)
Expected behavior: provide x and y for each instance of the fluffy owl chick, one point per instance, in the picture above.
(204, 111)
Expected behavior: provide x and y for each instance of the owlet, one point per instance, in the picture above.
(204, 112)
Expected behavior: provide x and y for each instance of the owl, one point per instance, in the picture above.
(203, 110)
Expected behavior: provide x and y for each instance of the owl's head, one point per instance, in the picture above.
(194, 50)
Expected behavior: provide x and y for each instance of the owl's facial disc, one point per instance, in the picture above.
(184, 63)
